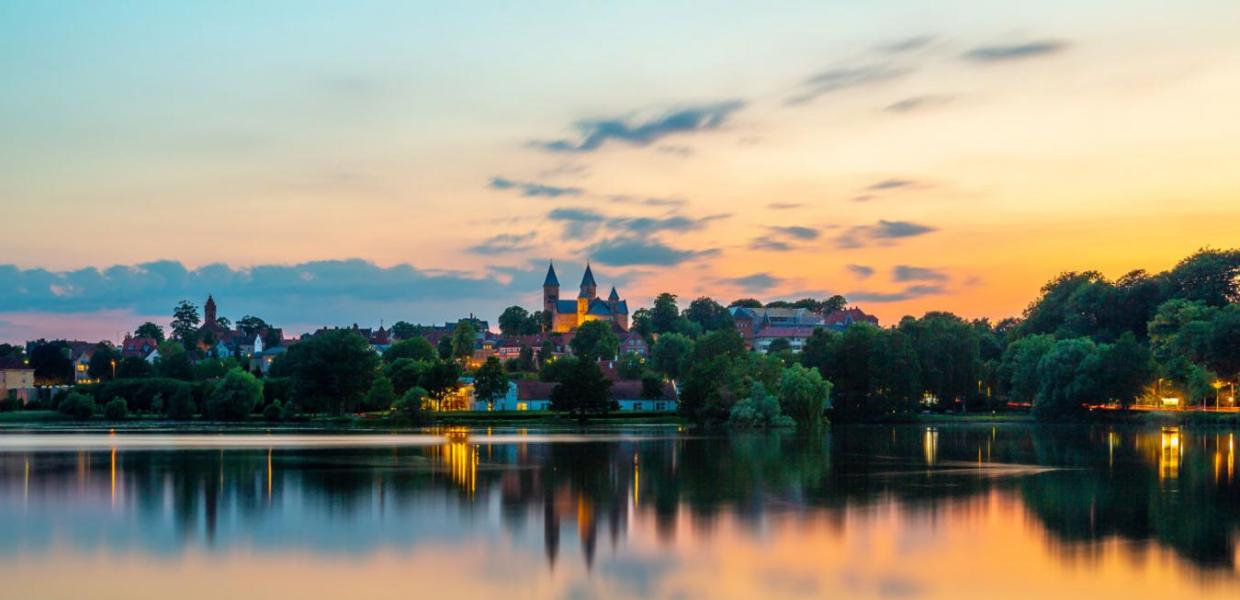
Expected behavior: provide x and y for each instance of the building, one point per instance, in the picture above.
(215, 337)
(568, 315)
(761, 326)
(16, 379)
(140, 347)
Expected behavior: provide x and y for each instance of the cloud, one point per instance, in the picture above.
(861, 271)
(915, 103)
(909, 293)
(633, 250)
(883, 232)
(579, 223)
(1010, 52)
(769, 245)
(905, 45)
(843, 78)
(504, 243)
(796, 231)
(757, 282)
(890, 184)
(533, 189)
(651, 201)
(597, 132)
(784, 205)
(905, 273)
(644, 226)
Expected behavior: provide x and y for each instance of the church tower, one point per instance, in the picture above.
(551, 290)
(589, 291)
(208, 311)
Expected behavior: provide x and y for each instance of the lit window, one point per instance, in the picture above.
(522, 406)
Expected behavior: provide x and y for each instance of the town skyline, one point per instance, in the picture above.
(421, 164)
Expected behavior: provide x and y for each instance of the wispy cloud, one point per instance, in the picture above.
(784, 238)
(632, 250)
(1009, 52)
(584, 223)
(909, 293)
(594, 133)
(916, 103)
(861, 271)
(784, 205)
(883, 232)
(843, 78)
(796, 231)
(504, 243)
(890, 184)
(908, 44)
(906, 273)
(757, 282)
(533, 189)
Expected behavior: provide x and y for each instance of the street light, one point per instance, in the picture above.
(1218, 385)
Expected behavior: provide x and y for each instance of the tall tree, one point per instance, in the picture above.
(514, 321)
(416, 348)
(403, 330)
(665, 313)
(584, 392)
(670, 354)
(594, 341)
(52, 363)
(332, 370)
(464, 339)
(252, 326)
(185, 322)
(708, 314)
(150, 330)
(490, 382)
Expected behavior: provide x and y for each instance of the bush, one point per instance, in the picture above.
(234, 397)
(273, 412)
(116, 409)
(409, 407)
(180, 406)
(381, 395)
(140, 394)
(760, 410)
(78, 405)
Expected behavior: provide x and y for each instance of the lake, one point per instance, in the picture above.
(944, 511)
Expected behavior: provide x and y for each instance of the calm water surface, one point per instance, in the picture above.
(866, 512)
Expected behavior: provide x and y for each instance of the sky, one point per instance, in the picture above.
(325, 163)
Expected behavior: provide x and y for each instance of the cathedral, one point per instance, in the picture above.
(568, 315)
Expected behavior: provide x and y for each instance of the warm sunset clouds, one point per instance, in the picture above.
(316, 163)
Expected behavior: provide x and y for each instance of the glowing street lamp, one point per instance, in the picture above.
(1218, 385)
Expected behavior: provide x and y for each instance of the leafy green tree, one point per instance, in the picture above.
(252, 326)
(132, 367)
(670, 354)
(406, 373)
(52, 363)
(723, 342)
(77, 405)
(1125, 368)
(234, 397)
(273, 412)
(833, 304)
(381, 394)
(1211, 277)
(746, 303)
(804, 395)
(707, 388)
(332, 370)
(444, 347)
(116, 409)
(1070, 377)
(441, 379)
(1223, 346)
(557, 369)
(416, 348)
(103, 362)
(525, 360)
(514, 321)
(584, 392)
(412, 406)
(665, 313)
(150, 330)
(185, 322)
(947, 349)
(594, 341)
(464, 339)
(642, 323)
(709, 315)
(403, 330)
(779, 345)
(179, 405)
(652, 386)
(1018, 373)
(173, 361)
(490, 382)
(631, 366)
(895, 374)
(760, 410)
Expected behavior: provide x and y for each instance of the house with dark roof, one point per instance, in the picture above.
(567, 315)
(16, 379)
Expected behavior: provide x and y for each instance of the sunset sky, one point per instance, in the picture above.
(324, 163)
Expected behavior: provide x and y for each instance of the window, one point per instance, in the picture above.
(522, 406)
(660, 406)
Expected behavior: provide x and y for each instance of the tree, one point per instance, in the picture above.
(833, 304)
(185, 322)
(234, 397)
(381, 394)
(664, 314)
(1070, 377)
(406, 373)
(416, 348)
(652, 386)
(332, 370)
(642, 324)
(103, 362)
(594, 341)
(759, 411)
(133, 367)
(52, 363)
(746, 303)
(631, 366)
(1126, 367)
(179, 405)
(804, 395)
(779, 345)
(150, 330)
(514, 321)
(947, 350)
(444, 347)
(441, 379)
(252, 326)
(490, 382)
(173, 361)
(464, 339)
(709, 315)
(1211, 277)
(557, 369)
(116, 409)
(723, 342)
(77, 405)
(584, 392)
(411, 406)
(525, 359)
(670, 354)
(403, 330)
(1018, 371)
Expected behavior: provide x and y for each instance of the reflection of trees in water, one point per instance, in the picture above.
(1175, 488)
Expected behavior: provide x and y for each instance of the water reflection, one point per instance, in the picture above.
(643, 511)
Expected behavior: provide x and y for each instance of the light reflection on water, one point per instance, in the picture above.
(948, 511)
